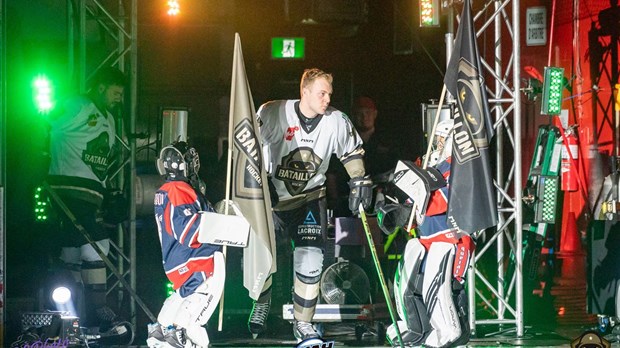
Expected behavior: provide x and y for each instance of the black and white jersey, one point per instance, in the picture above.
(81, 143)
(299, 151)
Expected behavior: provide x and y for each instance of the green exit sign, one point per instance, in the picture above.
(288, 47)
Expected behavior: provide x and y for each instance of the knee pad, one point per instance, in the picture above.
(90, 254)
(408, 293)
(71, 256)
(438, 296)
(308, 264)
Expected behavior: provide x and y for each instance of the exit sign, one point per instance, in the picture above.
(288, 48)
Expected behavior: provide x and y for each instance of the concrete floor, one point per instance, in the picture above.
(343, 335)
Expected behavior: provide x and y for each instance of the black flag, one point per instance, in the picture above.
(472, 206)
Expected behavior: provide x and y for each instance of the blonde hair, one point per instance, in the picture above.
(310, 75)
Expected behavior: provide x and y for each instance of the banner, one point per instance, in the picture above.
(248, 180)
(472, 205)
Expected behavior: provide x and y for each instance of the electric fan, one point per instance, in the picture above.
(345, 283)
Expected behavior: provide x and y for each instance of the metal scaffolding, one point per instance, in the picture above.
(501, 291)
(117, 24)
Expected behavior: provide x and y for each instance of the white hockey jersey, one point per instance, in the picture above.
(298, 157)
(81, 144)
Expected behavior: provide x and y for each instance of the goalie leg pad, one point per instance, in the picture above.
(437, 294)
(195, 310)
(408, 292)
(408, 337)
(460, 300)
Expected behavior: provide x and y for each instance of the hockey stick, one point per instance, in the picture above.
(373, 252)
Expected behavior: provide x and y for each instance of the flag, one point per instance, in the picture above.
(248, 180)
(472, 205)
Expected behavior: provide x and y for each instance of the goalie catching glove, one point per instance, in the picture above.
(361, 192)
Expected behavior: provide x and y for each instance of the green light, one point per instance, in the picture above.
(169, 289)
(429, 13)
(548, 196)
(41, 205)
(43, 94)
(552, 91)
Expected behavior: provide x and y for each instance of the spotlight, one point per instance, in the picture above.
(61, 295)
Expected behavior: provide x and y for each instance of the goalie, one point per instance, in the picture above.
(196, 270)
(429, 281)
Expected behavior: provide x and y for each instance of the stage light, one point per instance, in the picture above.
(43, 94)
(174, 7)
(429, 13)
(61, 295)
(169, 289)
(41, 205)
(552, 91)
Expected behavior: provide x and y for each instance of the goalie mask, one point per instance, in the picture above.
(178, 161)
(442, 142)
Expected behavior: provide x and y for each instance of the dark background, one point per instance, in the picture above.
(187, 62)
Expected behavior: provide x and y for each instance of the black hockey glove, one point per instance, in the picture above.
(391, 217)
(115, 207)
(273, 193)
(361, 192)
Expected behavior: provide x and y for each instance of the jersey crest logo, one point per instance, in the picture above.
(310, 220)
(92, 120)
(96, 155)
(290, 133)
(297, 168)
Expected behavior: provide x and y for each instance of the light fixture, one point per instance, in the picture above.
(552, 91)
(43, 94)
(173, 7)
(61, 295)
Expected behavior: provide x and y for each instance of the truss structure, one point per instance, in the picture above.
(116, 40)
(495, 288)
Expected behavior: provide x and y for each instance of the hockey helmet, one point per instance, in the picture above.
(178, 161)
(442, 142)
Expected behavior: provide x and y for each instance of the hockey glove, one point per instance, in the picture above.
(361, 192)
(115, 207)
(391, 217)
(273, 193)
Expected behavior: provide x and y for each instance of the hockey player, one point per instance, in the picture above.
(82, 147)
(429, 281)
(299, 137)
(196, 270)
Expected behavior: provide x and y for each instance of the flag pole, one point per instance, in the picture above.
(428, 148)
(229, 153)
